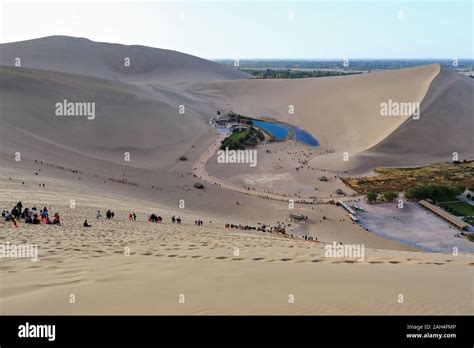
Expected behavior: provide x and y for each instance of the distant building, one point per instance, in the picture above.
(445, 215)
(236, 126)
(349, 209)
(220, 121)
(353, 218)
(298, 217)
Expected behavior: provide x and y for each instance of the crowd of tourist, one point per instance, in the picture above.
(30, 216)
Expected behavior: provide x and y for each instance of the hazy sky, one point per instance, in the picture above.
(257, 29)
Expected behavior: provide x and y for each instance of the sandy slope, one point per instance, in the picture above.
(75, 159)
(200, 263)
(128, 118)
(344, 113)
(85, 57)
(445, 126)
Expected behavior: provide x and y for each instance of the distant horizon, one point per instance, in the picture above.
(257, 30)
(248, 58)
(335, 59)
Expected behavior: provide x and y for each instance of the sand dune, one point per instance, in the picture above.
(445, 126)
(344, 113)
(127, 118)
(106, 60)
(166, 261)
(137, 111)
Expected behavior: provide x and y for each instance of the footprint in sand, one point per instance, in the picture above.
(221, 257)
(258, 258)
(317, 260)
(237, 259)
(375, 262)
(172, 255)
(196, 256)
(285, 259)
(394, 262)
(439, 263)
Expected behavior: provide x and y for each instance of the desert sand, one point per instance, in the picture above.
(344, 114)
(47, 160)
(167, 261)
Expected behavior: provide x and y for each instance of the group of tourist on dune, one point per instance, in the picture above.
(30, 216)
(158, 219)
(42, 216)
(280, 228)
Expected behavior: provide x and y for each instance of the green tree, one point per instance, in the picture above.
(390, 196)
(436, 193)
(371, 197)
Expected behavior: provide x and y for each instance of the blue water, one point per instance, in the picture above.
(304, 137)
(280, 132)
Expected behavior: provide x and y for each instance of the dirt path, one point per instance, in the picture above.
(199, 169)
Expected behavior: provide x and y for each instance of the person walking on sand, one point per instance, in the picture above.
(98, 215)
(134, 217)
(15, 213)
(56, 220)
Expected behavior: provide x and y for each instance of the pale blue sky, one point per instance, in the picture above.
(258, 29)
